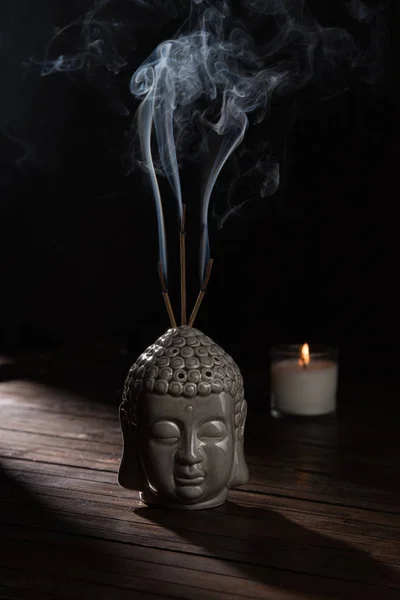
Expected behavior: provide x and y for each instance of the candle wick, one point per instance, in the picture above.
(304, 364)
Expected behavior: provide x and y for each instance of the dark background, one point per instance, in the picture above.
(316, 262)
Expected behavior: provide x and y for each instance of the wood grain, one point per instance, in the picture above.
(319, 518)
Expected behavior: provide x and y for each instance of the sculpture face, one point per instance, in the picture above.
(187, 447)
(182, 418)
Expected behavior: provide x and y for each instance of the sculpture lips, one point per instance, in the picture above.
(189, 480)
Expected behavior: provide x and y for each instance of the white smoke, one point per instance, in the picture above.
(213, 76)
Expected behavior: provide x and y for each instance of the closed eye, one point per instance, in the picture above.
(165, 431)
(212, 429)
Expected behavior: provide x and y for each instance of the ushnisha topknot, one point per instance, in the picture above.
(184, 362)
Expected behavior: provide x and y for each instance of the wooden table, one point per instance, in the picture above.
(319, 517)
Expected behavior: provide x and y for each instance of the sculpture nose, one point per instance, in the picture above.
(189, 452)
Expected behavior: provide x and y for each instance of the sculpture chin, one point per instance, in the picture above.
(194, 503)
(189, 492)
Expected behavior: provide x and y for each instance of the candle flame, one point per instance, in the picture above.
(304, 355)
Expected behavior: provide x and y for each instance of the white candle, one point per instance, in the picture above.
(298, 388)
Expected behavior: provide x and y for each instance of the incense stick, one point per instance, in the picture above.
(165, 294)
(182, 238)
(201, 293)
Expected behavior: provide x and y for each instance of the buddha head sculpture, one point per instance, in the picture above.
(182, 418)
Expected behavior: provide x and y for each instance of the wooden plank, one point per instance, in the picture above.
(318, 517)
(219, 543)
(320, 555)
(58, 457)
(296, 456)
(298, 480)
(47, 399)
(86, 428)
(302, 457)
(113, 569)
(41, 580)
(14, 438)
(117, 508)
(355, 525)
(269, 481)
(15, 593)
(271, 536)
(382, 470)
(104, 483)
(22, 438)
(66, 451)
(280, 446)
(302, 460)
(360, 537)
(321, 489)
(18, 465)
(182, 582)
(58, 450)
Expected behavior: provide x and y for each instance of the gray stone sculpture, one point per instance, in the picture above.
(182, 418)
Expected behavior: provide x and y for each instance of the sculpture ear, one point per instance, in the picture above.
(240, 474)
(241, 427)
(129, 475)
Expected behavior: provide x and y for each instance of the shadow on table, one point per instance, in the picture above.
(44, 553)
(267, 547)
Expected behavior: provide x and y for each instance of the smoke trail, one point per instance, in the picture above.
(202, 67)
(146, 82)
(99, 43)
(216, 76)
(213, 76)
(96, 38)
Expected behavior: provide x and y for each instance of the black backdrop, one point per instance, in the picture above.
(318, 261)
